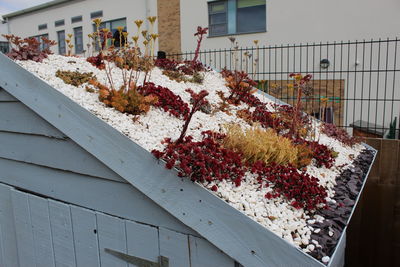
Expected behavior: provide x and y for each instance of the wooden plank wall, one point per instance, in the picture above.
(373, 237)
(34, 155)
(45, 232)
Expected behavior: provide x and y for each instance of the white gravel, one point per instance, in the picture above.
(275, 214)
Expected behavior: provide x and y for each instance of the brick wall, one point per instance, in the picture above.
(169, 26)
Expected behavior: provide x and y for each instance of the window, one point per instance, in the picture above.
(76, 19)
(250, 16)
(39, 39)
(112, 26)
(59, 23)
(61, 42)
(42, 26)
(218, 18)
(236, 16)
(78, 40)
(96, 14)
(4, 47)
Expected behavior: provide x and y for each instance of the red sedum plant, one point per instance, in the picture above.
(186, 67)
(198, 101)
(167, 100)
(321, 153)
(287, 181)
(203, 161)
(339, 134)
(29, 48)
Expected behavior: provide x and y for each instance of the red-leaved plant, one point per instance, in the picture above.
(287, 181)
(167, 100)
(197, 100)
(321, 153)
(339, 134)
(203, 161)
(28, 48)
(200, 33)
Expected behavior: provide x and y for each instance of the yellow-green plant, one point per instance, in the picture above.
(257, 144)
(69, 44)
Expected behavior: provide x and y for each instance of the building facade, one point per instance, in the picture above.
(56, 19)
(271, 22)
(275, 22)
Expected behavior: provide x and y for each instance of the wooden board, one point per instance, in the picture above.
(16, 117)
(23, 229)
(375, 143)
(43, 240)
(56, 153)
(388, 163)
(174, 246)
(85, 237)
(7, 227)
(6, 97)
(61, 228)
(142, 241)
(111, 233)
(202, 253)
(118, 199)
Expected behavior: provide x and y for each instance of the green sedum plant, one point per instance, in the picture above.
(75, 78)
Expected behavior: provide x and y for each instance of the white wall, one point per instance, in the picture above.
(300, 21)
(3, 30)
(27, 25)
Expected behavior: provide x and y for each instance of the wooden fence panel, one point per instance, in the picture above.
(374, 232)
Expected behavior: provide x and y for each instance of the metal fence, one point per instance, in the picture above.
(359, 78)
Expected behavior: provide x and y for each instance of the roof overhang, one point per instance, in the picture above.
(35, 8)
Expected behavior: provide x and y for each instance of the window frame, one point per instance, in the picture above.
(76, 19)
(108, 22)
(59, 23)
(248, 32)
(96, 14)
(210, 14)
(80, 51)
(231, 7)
(4, 47)
(60, 52)
(42, 27)
(39, 39)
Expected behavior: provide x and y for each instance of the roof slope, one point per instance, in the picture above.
(234, 233)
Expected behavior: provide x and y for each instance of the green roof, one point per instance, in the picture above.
(35, 8)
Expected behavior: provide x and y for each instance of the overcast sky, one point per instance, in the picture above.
(8, 6)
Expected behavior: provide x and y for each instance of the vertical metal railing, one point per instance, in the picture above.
(361, 82)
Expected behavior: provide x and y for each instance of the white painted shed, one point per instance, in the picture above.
(76, 192)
